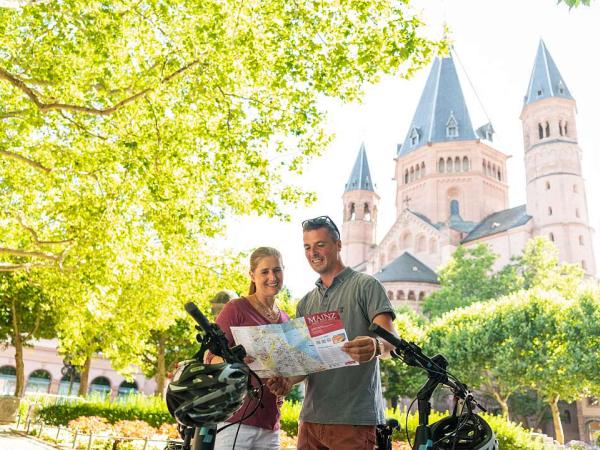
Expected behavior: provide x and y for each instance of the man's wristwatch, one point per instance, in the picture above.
(378, 347)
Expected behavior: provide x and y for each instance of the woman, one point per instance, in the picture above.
(261, 430)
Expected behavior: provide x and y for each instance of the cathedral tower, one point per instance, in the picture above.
(360, 213)
(444, 165)
(556, 196)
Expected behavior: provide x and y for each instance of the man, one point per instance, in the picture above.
(342, 406)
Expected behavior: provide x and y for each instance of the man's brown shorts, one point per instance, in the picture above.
(316, 436)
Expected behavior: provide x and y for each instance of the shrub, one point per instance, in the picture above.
(290, 412)
(136, 407)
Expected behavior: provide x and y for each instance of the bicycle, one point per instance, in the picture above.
(201, 395)
(463, 429)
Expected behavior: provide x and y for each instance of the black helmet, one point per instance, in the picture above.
(465, 432)
(206, 393)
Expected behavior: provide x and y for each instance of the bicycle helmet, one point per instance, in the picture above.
(202, 394)
(466, 432)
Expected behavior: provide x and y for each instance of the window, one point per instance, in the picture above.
(412, 174)
(417, 172)
(449, 165)
(540, 92)
(414, 137)
(411, 296)
(577, 212)
(367, 215)
(422, 169)
(421, 295)
(352, 212)
(406, 176)
(441, 165)
(583, 264)
(575, 188)
(565, 129)
(540, 131)
(499, 175)
(551, 237)
(560, 127)
(452, 126)
(400, 295)
(547, 185)
(549, 210)
(390, 295)
(457, 164)
(561, 87)
(580, 240)
(547, 129)
(465, 167)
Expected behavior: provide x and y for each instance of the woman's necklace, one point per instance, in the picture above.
(271, 314)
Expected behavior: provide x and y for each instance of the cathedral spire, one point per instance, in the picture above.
(442, 113)
(360, 178)
(545, 80)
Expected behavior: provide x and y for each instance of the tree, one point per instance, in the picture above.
(25, 314)
(173, 114)
(469, 277)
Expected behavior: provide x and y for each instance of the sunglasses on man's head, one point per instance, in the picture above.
(319, 222)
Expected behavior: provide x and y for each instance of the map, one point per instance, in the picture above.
(298, 347)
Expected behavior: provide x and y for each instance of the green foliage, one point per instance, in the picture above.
(149, 409)
(290, 414)
(469, 277)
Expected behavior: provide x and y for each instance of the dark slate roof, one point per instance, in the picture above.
(424, 218)
(407, 268)
(441, 101)
(360, 178)
(499, 222)
(545, 80)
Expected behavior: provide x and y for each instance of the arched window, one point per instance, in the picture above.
(441, 165)
(417, 172)
(499, 174)
(66, 387)
(560, 127)
(390, 295)
(483, 167)
(583, 264)
(407, 240)
(565, 129)
(452, 126)
(551, 237)
(400, 295)
(547, 129)
(352, 212)
(127, 388)
(457, 164)
(414, 137)
(466, 167)
(38, 381)
(489, 168)
(577, 212)
(549, 210)
(432, 245)
(449, 164)
(547, 185)
(367, 215)
(406, 176)
(8, 380)
(422, 169)
(412, 174)
(421, 295)
(411, 296)
(421, 243)
(575, 188)
(100, 386)
(580, 239)
(540, 131)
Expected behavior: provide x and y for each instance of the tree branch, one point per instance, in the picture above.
(36, 165)
(31, 254)
(36, 238)
(46, 107)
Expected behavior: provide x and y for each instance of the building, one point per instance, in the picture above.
(451, 190)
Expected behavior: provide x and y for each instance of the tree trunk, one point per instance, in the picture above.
(161, 366)
(84, 381)
(558, 430)
(503, 402)
(17, 341)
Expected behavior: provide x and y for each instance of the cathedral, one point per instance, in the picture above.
(451, 187)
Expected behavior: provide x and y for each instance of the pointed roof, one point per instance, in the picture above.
(545, 81)
(407, 268)
(360, 178)
(442, 113)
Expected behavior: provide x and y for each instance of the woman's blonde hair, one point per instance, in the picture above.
(256, 256)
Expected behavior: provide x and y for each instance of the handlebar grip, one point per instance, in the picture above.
(193, 311)
(385, 334)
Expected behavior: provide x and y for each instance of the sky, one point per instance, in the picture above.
(495, 44)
